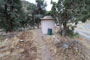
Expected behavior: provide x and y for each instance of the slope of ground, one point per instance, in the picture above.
(84, 31)
(33, 45)
(86, 46)
(18, 48)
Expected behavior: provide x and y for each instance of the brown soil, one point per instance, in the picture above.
(14, 49)
(33, 45)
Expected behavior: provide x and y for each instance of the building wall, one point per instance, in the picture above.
(46, 24)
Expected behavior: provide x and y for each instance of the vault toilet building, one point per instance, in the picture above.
(47, 23)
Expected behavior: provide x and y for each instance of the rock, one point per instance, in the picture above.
(53, 36)
(6, 39)
(65, 45)
(21, 40)
(17, 47)
(76, 41)
(57, 40)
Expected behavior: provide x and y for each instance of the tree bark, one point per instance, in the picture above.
(8, 20)
(64, 29)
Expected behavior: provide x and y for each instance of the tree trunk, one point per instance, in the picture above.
(64, 29)
(11, 25)
(61, 30)
(8, 20)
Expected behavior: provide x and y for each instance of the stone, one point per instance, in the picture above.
(21, 40)
(76, 41)
(6, 39)
(65, 45)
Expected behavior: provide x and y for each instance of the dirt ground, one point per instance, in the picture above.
(85, 43)
(19, 47)
(33, 45)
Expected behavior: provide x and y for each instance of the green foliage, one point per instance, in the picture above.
(10, 14)
(28, 8)
(33, 12)
(39, 12)
(70, 11)
(15, 14)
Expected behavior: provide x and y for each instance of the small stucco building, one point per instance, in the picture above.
(47, 23)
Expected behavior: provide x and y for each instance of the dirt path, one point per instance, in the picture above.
(44, 49)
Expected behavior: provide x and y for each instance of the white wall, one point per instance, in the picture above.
(46, 24)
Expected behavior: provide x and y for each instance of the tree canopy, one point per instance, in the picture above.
(10, 14)
(69, 12)
(39, 12)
